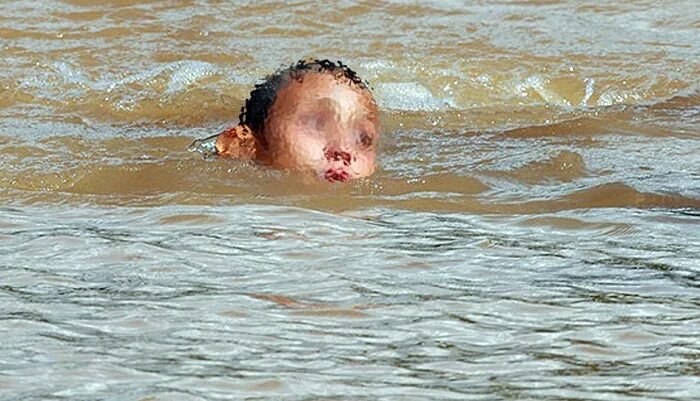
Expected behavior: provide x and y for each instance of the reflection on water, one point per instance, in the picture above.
(532, 233)
(211, 302)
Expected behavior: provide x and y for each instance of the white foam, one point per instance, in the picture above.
(539, 85)
(377, 65)
(407, 96)
(185, 73)
(69, 74)
(611, 97)
(180, 75)
(589, 91)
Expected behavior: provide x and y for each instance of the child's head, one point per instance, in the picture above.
(315, 116)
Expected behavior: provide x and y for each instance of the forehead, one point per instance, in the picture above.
(323, 90)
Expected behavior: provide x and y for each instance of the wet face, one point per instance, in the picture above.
(323, 126)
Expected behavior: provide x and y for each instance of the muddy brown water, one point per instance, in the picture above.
(533, 231)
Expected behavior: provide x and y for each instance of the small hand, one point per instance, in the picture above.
(237, 142)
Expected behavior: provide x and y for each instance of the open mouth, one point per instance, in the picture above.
(336, 174)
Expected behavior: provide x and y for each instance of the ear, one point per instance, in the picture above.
(237, 142)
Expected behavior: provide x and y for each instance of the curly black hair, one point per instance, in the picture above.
(254, 113)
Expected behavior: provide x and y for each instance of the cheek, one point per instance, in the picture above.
(307, 147)
(296, 148)
(364, 163)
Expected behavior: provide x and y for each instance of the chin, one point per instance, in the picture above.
(335, 175)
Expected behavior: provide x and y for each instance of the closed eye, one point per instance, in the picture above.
(315, 121)
(365, 139)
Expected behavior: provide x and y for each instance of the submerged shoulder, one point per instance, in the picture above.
(237, 142)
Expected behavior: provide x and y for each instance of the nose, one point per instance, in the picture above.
(338, 155)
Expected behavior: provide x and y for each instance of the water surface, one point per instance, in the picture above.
(533, 232)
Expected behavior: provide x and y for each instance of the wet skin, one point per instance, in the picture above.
(319, 125)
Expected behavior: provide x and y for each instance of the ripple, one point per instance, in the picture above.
(531, 233)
